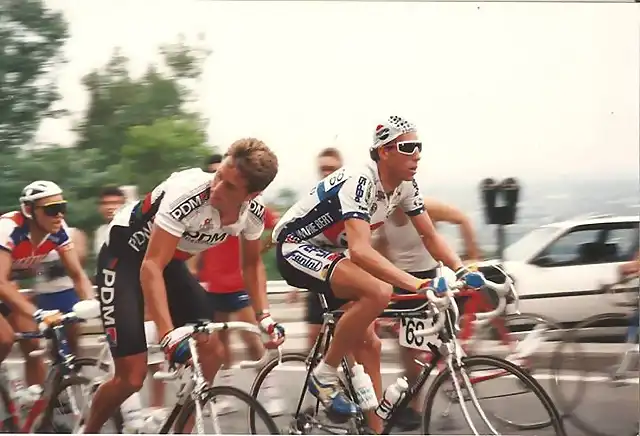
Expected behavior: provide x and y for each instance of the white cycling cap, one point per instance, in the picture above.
(391, 129)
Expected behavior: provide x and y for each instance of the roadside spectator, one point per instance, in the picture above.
(111, 198)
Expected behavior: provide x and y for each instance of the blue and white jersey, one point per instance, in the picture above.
(319, 217)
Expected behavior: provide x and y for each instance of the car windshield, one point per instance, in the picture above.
(523, 248)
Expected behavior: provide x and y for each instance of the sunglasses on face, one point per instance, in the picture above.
(408, 147)
(53, 209)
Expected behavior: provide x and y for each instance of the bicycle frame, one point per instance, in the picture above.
(450, 354)
(62, 366)
(196, 385)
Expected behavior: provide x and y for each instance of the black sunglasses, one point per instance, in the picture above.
(53, 209)
(408, 147)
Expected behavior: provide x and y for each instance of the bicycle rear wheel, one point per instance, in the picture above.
(212, 396)
(587, 377)
(72, 396)
(490, 368)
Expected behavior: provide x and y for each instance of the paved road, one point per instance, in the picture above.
(613, 411)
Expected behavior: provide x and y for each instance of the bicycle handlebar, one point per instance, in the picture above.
(446, 300)
(212, 327)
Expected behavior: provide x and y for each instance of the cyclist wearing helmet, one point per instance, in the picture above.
(27, 236)
(349, 205)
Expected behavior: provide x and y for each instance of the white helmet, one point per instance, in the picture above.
(37, 190)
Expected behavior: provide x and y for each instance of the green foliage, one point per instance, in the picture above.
(152, 152)
(31, 38)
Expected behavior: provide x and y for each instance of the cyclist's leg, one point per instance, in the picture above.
(155, 360)
(6, 333)
(64, 302)
(313, 318)
(369, 355)
(35, 370)
(188, 302)
(341, 280)
(122, 312)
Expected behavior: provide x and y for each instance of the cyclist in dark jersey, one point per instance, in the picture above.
(142, 262)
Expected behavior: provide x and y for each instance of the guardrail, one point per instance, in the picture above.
(273, 287)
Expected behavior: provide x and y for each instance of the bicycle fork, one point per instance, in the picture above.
(454, 367)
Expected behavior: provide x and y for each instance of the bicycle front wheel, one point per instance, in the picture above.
(480, 401)
(222, 421)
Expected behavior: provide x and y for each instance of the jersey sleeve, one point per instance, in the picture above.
(255, 223)
(356, 197)
(7, 227)
(175, 206)
(412, 202)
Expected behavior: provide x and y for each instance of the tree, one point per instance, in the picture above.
(152, 152)
(117, 101)
(31, 38)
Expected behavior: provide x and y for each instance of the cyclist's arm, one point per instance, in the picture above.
(366, 257)
(254, 274)
(435, 244)
(441, 212)
(630, 268)
(160, 251)
(9, 291)
(253, 271)
(80, 244)
(71, 261)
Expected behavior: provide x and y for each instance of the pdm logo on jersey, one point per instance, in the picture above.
(190, 204)
(257, 209)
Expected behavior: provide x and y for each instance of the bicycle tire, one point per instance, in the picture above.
(560, 357)
(8, 425)
(46, 423)
(527, 380)
(262, 375)
(211, 393)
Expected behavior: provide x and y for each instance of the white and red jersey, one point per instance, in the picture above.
(15, 237)
(319, 217)
(180, 206)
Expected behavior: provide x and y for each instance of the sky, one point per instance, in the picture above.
(537, 90)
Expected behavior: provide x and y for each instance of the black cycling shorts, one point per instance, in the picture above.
(122, 302)
(306, 266)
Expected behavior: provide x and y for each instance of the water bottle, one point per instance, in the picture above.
(31, 395)
(364, 388)
(391, 396)
(132, 414)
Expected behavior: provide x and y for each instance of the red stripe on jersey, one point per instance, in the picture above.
(146, 203)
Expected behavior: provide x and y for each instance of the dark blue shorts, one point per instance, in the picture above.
(228, 302)
(62, 301)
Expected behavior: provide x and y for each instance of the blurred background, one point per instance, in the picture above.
(117, 92)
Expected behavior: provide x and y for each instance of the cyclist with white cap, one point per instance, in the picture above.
(27, 236)
(349, 205)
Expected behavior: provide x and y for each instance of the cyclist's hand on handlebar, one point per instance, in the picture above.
(273, 329)
(471, 277)
(175, 345)
(47, 318)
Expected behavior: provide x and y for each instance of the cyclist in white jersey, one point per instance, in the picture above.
(399, 241)
(142, 263)
(347, 206)
(54, 288)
